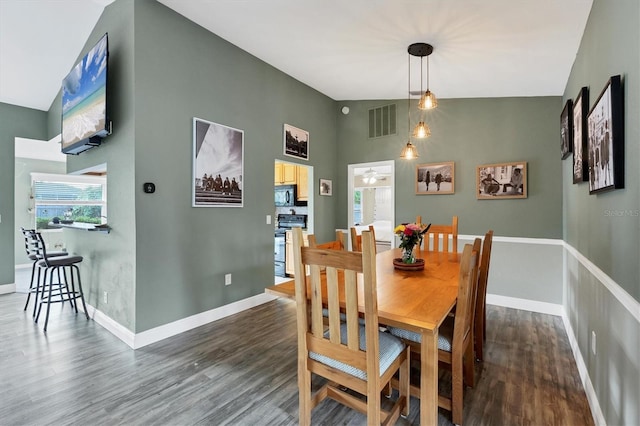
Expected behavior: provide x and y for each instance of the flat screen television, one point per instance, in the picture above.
(84, 101)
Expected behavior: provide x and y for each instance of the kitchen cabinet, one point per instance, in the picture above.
(285, 174)
(288, 261)
(303, 184)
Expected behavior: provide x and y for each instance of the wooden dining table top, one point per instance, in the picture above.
(417, 300)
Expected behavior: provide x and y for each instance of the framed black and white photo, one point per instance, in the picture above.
(435, 178)
(501, 181)
(580, 159)
(566, 129)
(326, 187)
(606, 139)
(296, 142)
(218, 165)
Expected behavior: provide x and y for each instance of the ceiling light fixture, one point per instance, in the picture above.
(428, 99)
(370, 176)
(409, 151)
(421, 131)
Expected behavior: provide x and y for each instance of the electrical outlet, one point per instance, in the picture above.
(227, 279)
(105, 297)
(593, 342)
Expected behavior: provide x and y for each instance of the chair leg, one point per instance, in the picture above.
(457, 390)
(405, 384)
(80, 292)
(304, 396)
(469, 366)
(31, 288)
(41, 293)
(46, 319)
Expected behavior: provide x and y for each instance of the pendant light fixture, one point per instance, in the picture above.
(409, 151)
(428, 99)
(421, 131)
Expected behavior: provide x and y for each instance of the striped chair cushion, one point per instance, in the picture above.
(445, 335)
(390, 348)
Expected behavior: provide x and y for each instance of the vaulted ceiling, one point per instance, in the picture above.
(355, 49)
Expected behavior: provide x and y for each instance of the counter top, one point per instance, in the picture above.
(83, 226)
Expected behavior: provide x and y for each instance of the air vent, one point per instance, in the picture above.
(382, 121)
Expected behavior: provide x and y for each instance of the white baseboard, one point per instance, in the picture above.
(596, 411)
(524, 304)
(7, 288)
(139, 340)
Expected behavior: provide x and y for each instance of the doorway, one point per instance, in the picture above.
(371, 192)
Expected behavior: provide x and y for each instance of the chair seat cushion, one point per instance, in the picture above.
(390, 348)
(445, 334)
(50, 254)
(61, 261)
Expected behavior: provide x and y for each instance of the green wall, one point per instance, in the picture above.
(469, 132)
(610, 46)
(15, 122)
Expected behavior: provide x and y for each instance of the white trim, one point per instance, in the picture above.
(625, 299)
(592, 397)
(24, 266)
(519, 240)
(525, 304)
(139, 340)
(7, 288)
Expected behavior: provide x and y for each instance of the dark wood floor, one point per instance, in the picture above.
(241, 370)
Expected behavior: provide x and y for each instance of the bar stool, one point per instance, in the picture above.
(34, 286)
(67, 271)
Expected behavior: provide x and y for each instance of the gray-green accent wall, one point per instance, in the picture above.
(469, 132)
(602, 284)
(15, 122)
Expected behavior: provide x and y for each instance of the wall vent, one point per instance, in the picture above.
(382, 121)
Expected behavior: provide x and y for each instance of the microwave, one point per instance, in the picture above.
(285, 195)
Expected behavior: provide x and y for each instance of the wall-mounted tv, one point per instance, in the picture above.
(84, 101)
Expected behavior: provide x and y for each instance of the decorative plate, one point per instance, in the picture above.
(399, 264)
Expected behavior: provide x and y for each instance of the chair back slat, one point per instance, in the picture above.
(356, 240)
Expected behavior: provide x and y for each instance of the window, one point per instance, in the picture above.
(357, 206)
(69, 198)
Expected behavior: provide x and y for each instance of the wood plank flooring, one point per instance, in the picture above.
(241, 370)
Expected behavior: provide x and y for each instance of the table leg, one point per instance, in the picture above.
(429, 378)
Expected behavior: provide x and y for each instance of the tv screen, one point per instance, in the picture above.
(84, 101)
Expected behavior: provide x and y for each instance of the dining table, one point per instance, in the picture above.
(416, 300)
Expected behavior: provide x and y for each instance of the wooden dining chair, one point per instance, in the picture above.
(480, 320)
(436, 233)
(356, 240)
(455, 338)
(360, 358)
(338, 244)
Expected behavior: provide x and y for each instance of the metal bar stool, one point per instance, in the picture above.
(34, 286)
(68, 275)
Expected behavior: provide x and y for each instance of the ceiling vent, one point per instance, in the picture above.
(382, 121)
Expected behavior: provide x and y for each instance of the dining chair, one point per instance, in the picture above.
(359, 358)
(480, 320)
(338, 244)
(35, 287)
(356, 240)
(455, 338)
(436, 233)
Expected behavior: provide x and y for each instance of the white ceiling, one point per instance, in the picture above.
(346, 49)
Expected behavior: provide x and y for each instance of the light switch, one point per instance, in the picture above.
(268, 219)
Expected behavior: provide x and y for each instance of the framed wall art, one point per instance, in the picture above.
(566, 129)
(580, 159)
(435, 178)
(501, 181)
(296, 142)
(326, 187)
(218, 165)
(606, 139)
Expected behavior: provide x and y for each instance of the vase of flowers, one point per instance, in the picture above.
(410, 234)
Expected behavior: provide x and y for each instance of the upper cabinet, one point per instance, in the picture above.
(286, 174)
(303, 183)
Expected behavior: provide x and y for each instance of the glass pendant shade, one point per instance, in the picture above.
(421, 131)
(428, 101)
(409, 152)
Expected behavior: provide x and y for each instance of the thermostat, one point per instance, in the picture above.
(149, 187)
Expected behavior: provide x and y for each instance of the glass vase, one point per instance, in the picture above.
(407, 255)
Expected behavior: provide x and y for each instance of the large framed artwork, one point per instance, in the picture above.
(606, 139)
(435, 178)
(218, 165)
(296, 142)
(501, 181)
(580, 158)
(566, 129)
